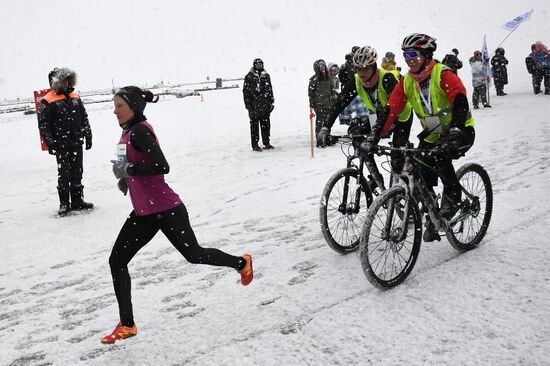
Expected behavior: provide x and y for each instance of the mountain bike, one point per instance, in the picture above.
(347, 196)
(392, 233)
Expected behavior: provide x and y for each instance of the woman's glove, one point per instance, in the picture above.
(122, 185)
(121, 169)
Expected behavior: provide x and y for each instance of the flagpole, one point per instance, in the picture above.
(505, 38)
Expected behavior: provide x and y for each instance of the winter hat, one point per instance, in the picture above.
(477, 53)
(455, 51)
(136, 97)
(57, 76)
(317, 65)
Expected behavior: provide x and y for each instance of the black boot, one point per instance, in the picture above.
(430, 234)
(64, 207)
(77, 199)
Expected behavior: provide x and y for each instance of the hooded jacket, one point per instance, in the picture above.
(62, 118)
(498, 63)
(258, 93)
(320, 90)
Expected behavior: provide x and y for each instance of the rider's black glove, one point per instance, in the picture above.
(370, 143)
(454, 144)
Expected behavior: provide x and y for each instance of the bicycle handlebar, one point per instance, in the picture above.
(386, 150)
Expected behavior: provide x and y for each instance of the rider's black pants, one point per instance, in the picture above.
(444, 169)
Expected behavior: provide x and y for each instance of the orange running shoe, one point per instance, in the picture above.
(120, 332)
(246, 273)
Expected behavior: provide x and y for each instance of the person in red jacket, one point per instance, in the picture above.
(443, 110)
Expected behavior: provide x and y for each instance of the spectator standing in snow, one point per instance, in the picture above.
(388, 62)
(479, 78)
(500, 72)
(321, 95)
(64, 125)
(347, 70)
(530, 64)
(452, 61)
(259, 102)
(140, 169)
(541, 56)
(346, 73)
(333, 72)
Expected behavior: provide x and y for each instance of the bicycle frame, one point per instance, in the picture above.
(411, 179)
(373, 171)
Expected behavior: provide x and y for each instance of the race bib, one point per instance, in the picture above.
(121, 153)
(433, 125)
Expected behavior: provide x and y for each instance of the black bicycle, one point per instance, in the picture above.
(392, 233)
(347, 196)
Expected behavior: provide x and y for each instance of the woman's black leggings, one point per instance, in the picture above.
(138, 231)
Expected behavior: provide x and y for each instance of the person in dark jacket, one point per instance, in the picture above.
(541, 56)
(64, 125)
(321, 95)
(500, 73)
(452, 61)
(347, 72)
(259, 102)
(140, 169)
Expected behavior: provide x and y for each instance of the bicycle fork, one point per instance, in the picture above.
(399, 233)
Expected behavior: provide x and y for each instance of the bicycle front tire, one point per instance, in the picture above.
(342, 230)
(386, 262)
(471, 229)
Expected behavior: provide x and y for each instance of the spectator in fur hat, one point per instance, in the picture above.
(64, 125)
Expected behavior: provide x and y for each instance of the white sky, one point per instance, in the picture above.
(142, 42)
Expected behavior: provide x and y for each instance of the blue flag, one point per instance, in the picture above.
(485, 58)
(513, 24)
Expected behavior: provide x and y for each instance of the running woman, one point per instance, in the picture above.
(140, 168)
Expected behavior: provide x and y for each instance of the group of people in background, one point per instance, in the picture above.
(538, 65)
(328, 85)
(322, 96)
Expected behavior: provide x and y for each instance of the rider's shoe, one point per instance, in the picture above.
(372, 185)
(430, 234)
(120, 332)
(448, 208)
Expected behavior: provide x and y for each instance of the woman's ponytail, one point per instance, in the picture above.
(150, 97)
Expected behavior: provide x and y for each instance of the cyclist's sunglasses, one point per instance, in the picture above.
(411, 54)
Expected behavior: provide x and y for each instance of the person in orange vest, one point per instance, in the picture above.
(63, 123)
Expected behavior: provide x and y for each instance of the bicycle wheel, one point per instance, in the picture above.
(473, 219)
(388, 256)
(340, 216)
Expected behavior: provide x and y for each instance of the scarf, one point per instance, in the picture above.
(422, 75)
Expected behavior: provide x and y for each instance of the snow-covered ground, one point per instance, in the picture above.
(307, 305)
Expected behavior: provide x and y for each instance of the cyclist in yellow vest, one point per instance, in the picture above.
(439, 100)
(374, 87)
